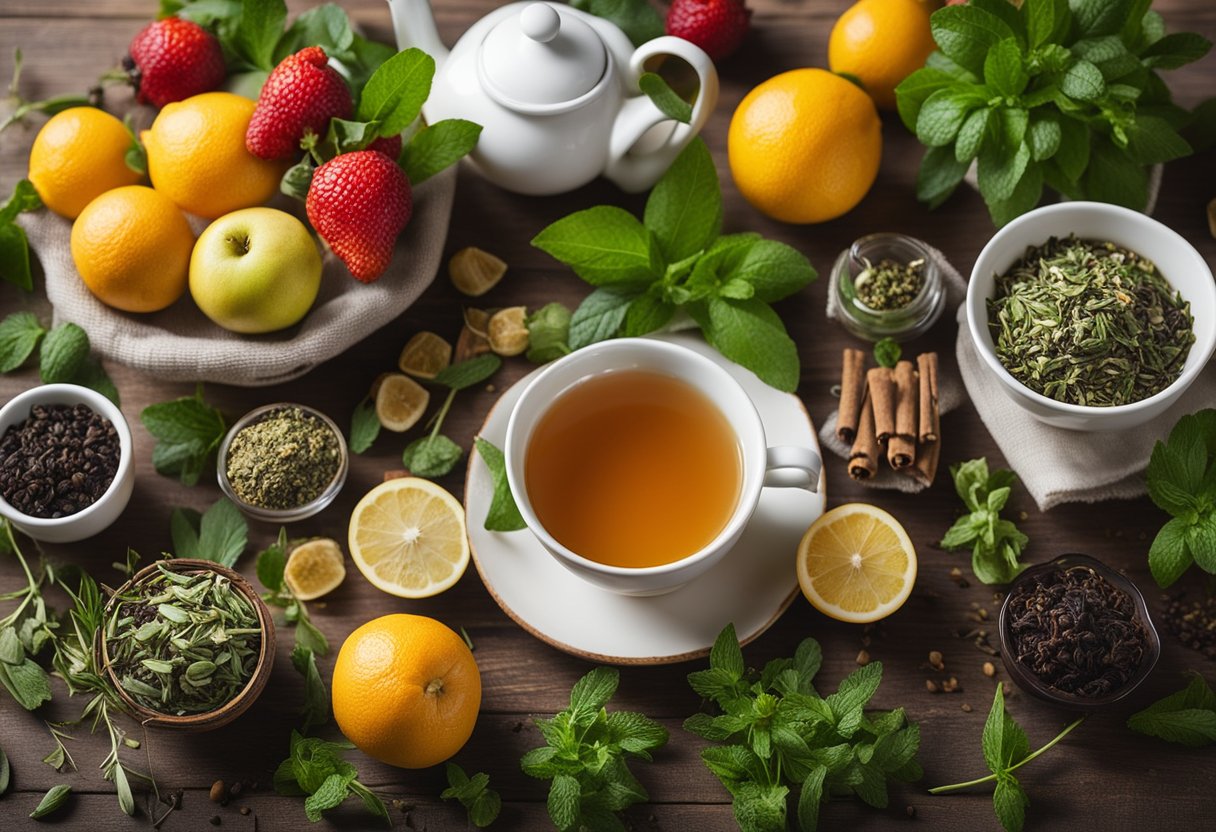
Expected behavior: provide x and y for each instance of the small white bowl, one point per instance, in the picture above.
(93, 519)
(1175, 258)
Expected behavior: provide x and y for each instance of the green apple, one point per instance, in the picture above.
(255, 270)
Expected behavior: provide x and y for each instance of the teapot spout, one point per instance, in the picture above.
(414, 26)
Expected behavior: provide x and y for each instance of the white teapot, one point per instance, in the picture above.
(556, 92)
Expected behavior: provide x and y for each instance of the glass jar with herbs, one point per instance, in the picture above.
(888, 286)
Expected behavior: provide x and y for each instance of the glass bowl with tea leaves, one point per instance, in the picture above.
(1091, 316)
(1077, 634)
(888, 285)
(187, 644)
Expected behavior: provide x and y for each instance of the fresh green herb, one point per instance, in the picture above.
(64, 355)
(889, 285)
(5, 772)
(887, 352)
(52, 801)
(316, 695)
(674, 259)
(136, 157)
(19, 108)
(20, 333)
(548, 333)
(26, 630)
(503, 515)
(364, 426)
(316, 768)
(59, 756)
(270, 565)
(1047, 93)
(437, 147)
(585, 755)
(637, 18)
(1187, 717)
(777, 734)
(1089, 323)
(220, 534)
(188, 431)
(996, 544)
(664, 97)
(435, 455)
(1181, 480)
(64, 350)
(1005, 751)
(14, 246)
(474, 794)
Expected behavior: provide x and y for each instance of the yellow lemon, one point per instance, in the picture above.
(881, 42)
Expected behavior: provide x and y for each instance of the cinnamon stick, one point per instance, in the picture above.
(863, 458)
(901, 447)
(925, 468)
(852, 391)
(881, 384)
(930, 416)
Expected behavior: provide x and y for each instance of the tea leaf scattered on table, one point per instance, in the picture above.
(188, 431)
(316, 695)
(1187, 717)
(996, 544)
(364, 426)
(503, 515)
(26, 629)
(431, 456)
(474, 794)
(438, 146)
(52, 801)
(1181, 480)
(317, 769)
(887, 352)
(20, 333)
(59, 756)
(220, 534)
(63, 352)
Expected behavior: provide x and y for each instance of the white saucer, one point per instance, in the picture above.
(751, 586)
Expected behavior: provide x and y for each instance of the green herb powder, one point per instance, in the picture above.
(1088, 323)
(889, 285)
(284, 460)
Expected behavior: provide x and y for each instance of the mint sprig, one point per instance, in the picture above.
(996, 544)
(674, 260)
(270, 565)
(474, 794)
(317, 769)
(1187, 717)
(1181, 480)
(503, 514)
(188, 431)
(219, 534)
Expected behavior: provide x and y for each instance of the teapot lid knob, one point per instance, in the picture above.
(540, 22)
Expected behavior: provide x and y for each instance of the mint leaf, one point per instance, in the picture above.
(943, 114)
(1001, 168)
(15, 256)
(964, 34)
(1178, 49)
(1046, 20)
(1043, 135)
(316, 697)
(726, 655)
(646, 314)
(749, 333)
(188, 431)
(394, 94)
(887, 352)
(1004, 70)
(599, 316)
(912, 92)
(684, 211)
(637, 18)
(219, 535)
(564, 797)
(593, 691)
(1169, 557)
(259, 28)
(773, 270)
(271, 562)
(468, 373)
(64, 350)
(503, 514)
(1099, 17)
(1201, 541)
(298, 178)
(809, 799)
(20, 333)
(971, 134)
(1073, 155)
(332, 791)
(481, 802)
(438, 146)
(23, 200)
(1152, 140)
(760, 807)
(1009, 802)
(26, 682)
(605, 245)
(1187, 717)
(1025, 196)
(664, 97)
(431, 456)
(1083, 81)
(364, 426)
(548, 333)
(940, 173)
(326, 26)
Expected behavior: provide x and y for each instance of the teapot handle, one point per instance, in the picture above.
(636, 169)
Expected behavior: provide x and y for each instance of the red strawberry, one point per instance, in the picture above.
(172, 59)
(390, 146)
(717, 26)
(359, 202)
(302, 94)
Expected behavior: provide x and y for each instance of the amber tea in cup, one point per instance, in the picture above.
(632, 468)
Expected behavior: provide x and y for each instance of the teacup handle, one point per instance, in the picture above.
(792, 466)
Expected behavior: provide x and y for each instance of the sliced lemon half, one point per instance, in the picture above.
(856, 563)
(314, 568)
(407, 536)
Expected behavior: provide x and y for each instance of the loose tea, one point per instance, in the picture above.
(889, 284)
(1194, 623)
(284, 460)
(1076, 631)
(1089, 323)
(183, 644)
(58, 461)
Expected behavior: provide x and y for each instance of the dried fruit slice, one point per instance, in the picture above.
(425, 355)
(475, 272)
(477, 320)
(470, 344)
(314, 568)
(506, 331)
(400, 402)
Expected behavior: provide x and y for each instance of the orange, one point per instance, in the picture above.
(881, 42)
(78, 155)
(197, 156)
(804, 146)
(132, 247)
(406, 690)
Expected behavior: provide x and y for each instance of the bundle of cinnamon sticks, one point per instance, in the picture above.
(891, 412)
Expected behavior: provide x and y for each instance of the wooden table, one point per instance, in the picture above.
(1101, 777)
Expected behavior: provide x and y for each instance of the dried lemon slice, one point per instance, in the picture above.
(506, 331)
(314, 568)
(475, 272)
(477, 320)
(425, 355)
(400, 402)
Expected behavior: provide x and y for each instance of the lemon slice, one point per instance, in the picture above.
(856, 563)
(407, 537)
(314, 568)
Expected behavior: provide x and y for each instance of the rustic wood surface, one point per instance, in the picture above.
(1101, 777)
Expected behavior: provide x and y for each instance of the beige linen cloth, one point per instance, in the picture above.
(182, 344)
(1056, 465)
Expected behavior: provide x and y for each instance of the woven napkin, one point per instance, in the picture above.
(182, 344)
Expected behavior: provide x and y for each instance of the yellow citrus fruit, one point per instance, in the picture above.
(856, 563)
(406, 690)
(197, 156)
(804, 146)
(881, 42)
(78, 155)
(407, 537)
(314, 568)
(132, 247)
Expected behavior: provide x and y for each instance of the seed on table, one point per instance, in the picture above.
(215, 820)
(863, 658)
(245, 810)
(935, 660)
(951, 685)
(218, 791)
(931, 686)
(989, 669)
(966, 708)
(910, 811)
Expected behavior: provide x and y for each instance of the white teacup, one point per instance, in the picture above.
(783, 466)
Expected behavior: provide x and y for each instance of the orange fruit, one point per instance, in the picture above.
(804, 146)
(197, 156)
(132, 247)
(78, 155)
(881, 42)
(406, 690)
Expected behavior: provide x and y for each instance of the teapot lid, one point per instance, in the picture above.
(544, 55)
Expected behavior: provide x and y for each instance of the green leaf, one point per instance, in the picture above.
(749, 333)
(310, 638)
(64, 350)
(223, 533)
(1004, 69)
(940, 173)
(20, 333)
(548, 333)
(187, 431)
(565, 796)
(1187, 717)
(965, 34)
(431, 456)
(1045, 20)
(774, 270)
(1201, 542)
(326, 26)
(394, 94)
(503, 514)
(23, 200)
(912, 92)
(809, 799)
(1083, 81)
(684, 211)
(887, 352)
(637, 19)
(92, 375)
(1113, 177)
(468, 373)
(1099, 17)
(1000, 171)
(15, 257)
(332, 791)
(593, 691)
(605, 245)
(26, 682)
(1043, 135)
(11, 649)
(971, 135)
(599, 316)
(5, 772)
(485, 808)
(52, 801)
(316, 697)
(1152, 140)
(943, 113)
(271, 562)
(438, 146)
(259, 29)
(1175, 50)
(665, 98)
(646, 314)
(854, 693)
(1009, 802)
(760, 808)
(1025, 196)
(126, 800)
(364, 426)
(635, 732)
(183, 529)
(1074, 152)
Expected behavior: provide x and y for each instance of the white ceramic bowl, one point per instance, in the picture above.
(110, 505)
(1176, 259)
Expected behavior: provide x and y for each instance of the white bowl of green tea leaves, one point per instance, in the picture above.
(187, 644)
(1092, 316)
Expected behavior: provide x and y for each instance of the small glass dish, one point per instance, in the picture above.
(907, 321)
(289, 515)
(1035, 686)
